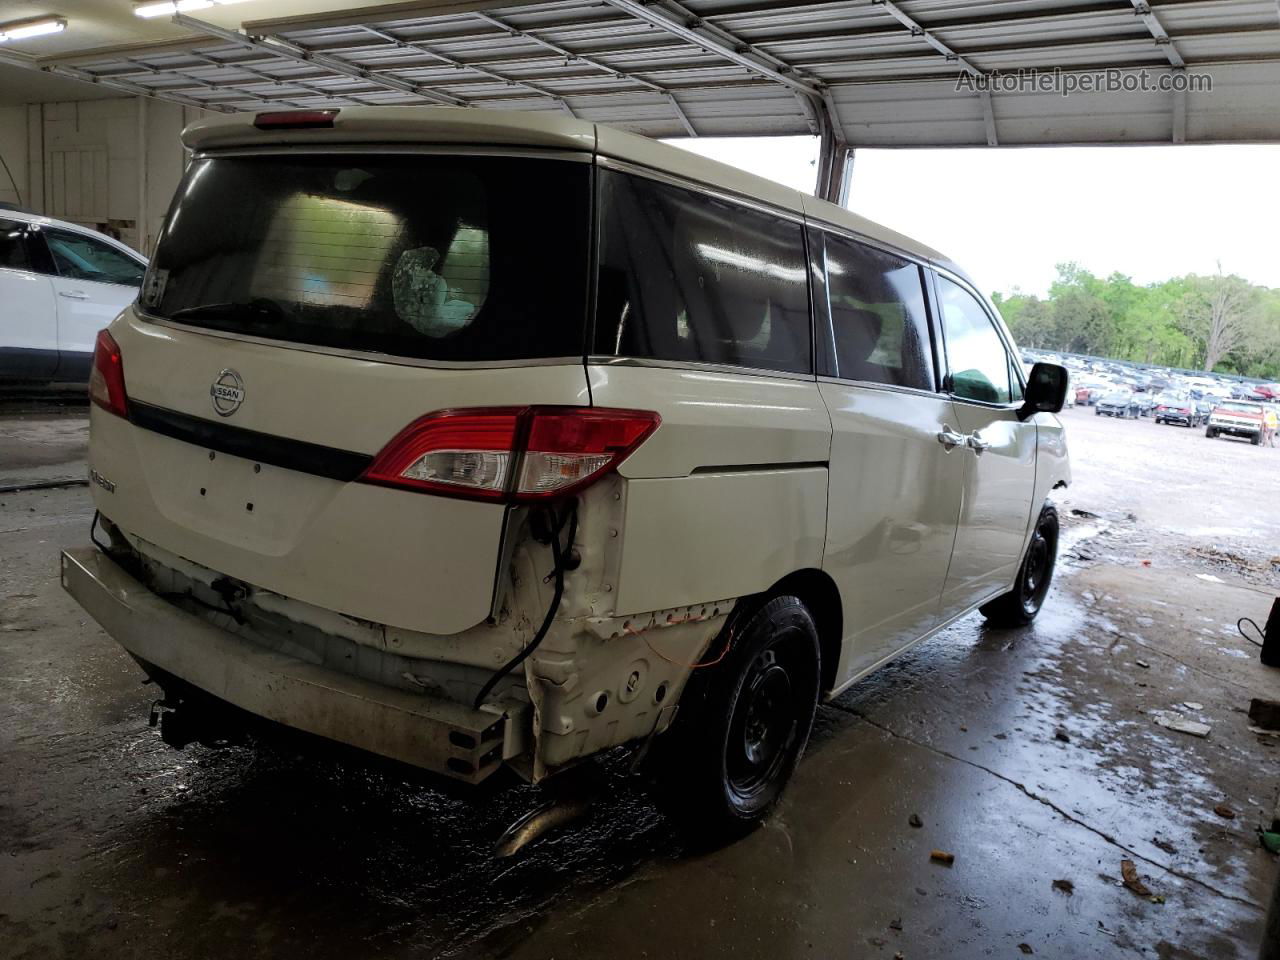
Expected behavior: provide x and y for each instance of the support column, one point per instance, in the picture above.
(835, 168)
(142, 177)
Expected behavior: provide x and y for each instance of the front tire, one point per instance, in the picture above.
(1020, 605)
(743, 725)
(1211, 433)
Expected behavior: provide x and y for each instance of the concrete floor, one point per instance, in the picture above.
(1031, 755)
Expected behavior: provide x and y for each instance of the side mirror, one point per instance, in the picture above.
(1046, 390)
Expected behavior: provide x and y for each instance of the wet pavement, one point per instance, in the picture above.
(1030, 755)
(43, 441)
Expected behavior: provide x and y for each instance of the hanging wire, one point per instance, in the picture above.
(558, 556)
(1256, 629)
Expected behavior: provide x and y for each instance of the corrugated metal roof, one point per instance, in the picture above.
(885, 73)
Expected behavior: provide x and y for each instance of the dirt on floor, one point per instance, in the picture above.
(1036, 757)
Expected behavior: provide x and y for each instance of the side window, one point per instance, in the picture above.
(84, 258)
(1015, 384)
(14, 253)
(878, 316)
(685, 276)
(975, 353)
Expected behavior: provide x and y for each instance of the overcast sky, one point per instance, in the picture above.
(1007, 216)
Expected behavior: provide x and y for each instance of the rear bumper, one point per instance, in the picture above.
(431, 733)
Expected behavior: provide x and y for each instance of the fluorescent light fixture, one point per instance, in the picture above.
(163, 8)
(24, 29)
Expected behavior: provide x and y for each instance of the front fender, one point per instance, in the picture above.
(1053, 464)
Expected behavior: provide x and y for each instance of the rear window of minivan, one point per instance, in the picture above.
(439, 257)
(686, 276)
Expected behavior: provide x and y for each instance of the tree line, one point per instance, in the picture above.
(1220, 322)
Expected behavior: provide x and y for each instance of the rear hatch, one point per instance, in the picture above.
(301, 310)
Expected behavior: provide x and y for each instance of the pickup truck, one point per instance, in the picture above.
(1236, 418)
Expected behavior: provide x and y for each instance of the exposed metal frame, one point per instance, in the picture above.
(132, 88)
(814, 97)
(1158, 33)
(468, 65)
(918, 30)
(673, 67)
(278, 81)
(1165, 42)
(563, 51)
(290, 51)
(693, 29)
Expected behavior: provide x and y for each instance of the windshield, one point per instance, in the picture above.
(439, 257)
(1240, 407)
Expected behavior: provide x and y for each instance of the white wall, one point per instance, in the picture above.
(97, 161)
(13, 148)
(165, 161)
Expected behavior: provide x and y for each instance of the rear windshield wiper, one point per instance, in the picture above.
(259, 308)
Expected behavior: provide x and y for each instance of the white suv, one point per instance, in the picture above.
(60, 284)
(479, 439)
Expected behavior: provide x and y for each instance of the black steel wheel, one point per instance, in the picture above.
(742, 727)
(1020, 605)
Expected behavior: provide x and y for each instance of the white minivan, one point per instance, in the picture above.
(478, 440)
(60, 283)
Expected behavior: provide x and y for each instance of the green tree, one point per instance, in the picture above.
(1218, 322)
(1030, 320)
(1218, 311)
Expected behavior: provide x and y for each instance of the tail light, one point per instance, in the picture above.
(106, 382)
(510, 454)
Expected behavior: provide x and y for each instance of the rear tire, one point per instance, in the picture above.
(1020, 605)
(742, 726)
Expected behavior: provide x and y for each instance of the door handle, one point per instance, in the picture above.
(949, 438)
(73, 294)
(976, 444)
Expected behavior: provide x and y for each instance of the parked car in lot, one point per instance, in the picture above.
(60, 284)
(1088, 394)
(1177, 410)
(399, 489)
(1118, 403)
(1146, 403)
(1236, 418)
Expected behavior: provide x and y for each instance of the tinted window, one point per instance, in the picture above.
(878, 316)
(684, 276)
(84, 258)
(439, 257)
(13, 245)
(975, 353)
